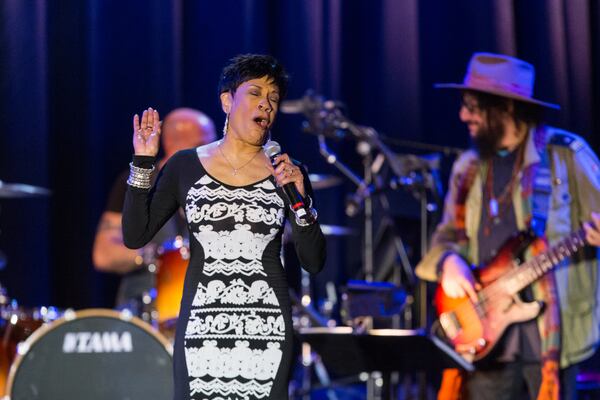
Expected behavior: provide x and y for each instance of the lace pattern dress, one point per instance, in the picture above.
(234, 332)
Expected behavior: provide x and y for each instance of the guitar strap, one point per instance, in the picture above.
(542, 187)
(550, 323)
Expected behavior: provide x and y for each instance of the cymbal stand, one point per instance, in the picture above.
(364, 149)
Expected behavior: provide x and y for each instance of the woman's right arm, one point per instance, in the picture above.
(146, 210)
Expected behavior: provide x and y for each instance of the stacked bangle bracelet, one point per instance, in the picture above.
(139, 177)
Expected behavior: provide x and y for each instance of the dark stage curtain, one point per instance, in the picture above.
(73, 73)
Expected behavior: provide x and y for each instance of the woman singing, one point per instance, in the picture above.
(234, 332)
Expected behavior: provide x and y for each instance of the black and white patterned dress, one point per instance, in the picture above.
(234, 333)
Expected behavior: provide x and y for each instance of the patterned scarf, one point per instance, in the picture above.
(544, 288)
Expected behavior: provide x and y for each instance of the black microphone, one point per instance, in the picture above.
(272, 149)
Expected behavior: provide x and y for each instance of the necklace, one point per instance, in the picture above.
(501, 202)
(234, 169)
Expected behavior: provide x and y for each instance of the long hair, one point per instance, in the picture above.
(496, 108)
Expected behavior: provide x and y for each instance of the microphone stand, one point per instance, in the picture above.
(364, 149)
(325, 119)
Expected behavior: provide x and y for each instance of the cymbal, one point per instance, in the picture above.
(320, 181)
(17, 190)
(335, 230)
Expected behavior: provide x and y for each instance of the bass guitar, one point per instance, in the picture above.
(475, 327)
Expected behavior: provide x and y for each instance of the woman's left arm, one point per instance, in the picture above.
(309, 240)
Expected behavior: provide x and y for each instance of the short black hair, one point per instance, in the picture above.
(245, 67)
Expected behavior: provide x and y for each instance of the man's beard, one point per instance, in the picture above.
(487, 141)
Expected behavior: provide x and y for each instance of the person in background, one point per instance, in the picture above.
(521, 174)
(182, 128)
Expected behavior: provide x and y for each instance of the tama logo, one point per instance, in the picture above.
(97, 342)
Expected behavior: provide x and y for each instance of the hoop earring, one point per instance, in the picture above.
(226, 126)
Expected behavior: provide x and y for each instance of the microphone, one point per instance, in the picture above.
(302, 212)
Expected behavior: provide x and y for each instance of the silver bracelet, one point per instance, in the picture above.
(302, 222)
(139, 177)
(311, 210)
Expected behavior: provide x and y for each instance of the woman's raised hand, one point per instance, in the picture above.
(146, 133)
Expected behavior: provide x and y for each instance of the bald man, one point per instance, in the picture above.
(182, 128)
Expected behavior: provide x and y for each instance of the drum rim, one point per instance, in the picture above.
(74, 315)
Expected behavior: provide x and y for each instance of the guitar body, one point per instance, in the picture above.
(475, 328)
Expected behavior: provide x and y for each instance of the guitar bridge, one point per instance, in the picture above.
(450, 324)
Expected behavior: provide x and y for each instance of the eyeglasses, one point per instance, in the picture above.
(471, 106)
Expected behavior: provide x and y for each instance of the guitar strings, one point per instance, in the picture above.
(543, 262)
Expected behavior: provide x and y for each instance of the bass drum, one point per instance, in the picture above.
(93, 354)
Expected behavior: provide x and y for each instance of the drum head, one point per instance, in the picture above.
(93, 354)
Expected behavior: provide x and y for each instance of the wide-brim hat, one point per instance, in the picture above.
(499, 75)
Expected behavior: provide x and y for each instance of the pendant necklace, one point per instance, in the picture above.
(234, 169)
(504, 199)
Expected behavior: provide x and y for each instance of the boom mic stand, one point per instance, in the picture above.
(325, 119)
(363, 183)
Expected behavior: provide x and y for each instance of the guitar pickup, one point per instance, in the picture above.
(450, 324)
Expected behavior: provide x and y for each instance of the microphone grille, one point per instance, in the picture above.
(272, 148)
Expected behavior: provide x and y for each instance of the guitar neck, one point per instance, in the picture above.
(533, 269)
